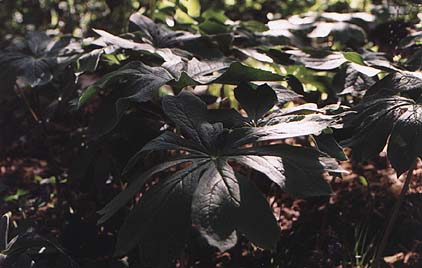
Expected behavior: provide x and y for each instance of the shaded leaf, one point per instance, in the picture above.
(157, 35)
(353, 82)
(215, 203)
(136, 82)
(188, 112)
(169, 199)
(256, 219)
(405, 143)
(382, 113)
(373, 122)
(327, 144)
(88, 62)
(256, 101)
(4, 231)
(211, 183)
(38, 57)
(397, 83)
(140, 179)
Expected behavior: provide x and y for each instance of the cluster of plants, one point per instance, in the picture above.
(187, 109)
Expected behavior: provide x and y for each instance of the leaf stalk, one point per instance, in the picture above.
(394, 215)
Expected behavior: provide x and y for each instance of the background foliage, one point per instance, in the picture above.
(209, 133)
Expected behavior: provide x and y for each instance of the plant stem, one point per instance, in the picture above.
(28, 104)
(152, 7)
(394, 215)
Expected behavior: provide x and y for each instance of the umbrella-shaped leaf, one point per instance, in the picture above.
(405, 143)
(211, 187)
(383, 113)
(38, 57)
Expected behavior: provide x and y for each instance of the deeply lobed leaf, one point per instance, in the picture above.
(218, 201)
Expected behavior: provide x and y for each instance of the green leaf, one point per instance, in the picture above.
(15, 197)
(215, 14)
(238, 72)
(212, 27)
(193, 7)
(87, 95)
(363, 181)
(182, 17)
(254, 26)
(353, 57)
(223, 72)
